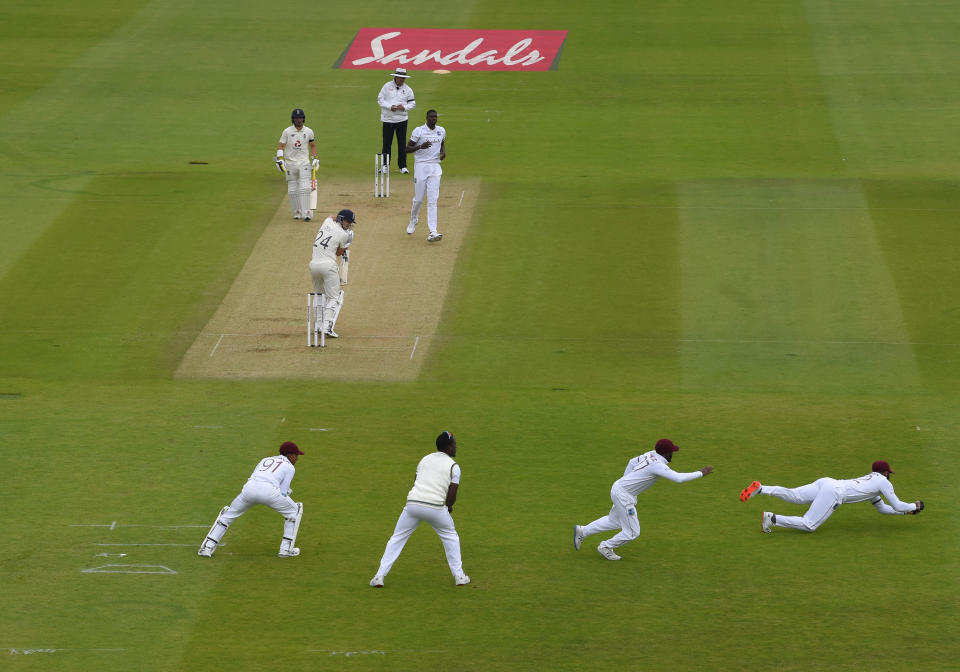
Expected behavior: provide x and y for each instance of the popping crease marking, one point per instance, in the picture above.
(217, 345)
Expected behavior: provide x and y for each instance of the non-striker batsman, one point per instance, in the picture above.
(293, 158)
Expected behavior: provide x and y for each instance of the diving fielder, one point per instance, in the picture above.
(428, 143)
(293, 158)
(332, 239)
(825, 495)
(269, 484)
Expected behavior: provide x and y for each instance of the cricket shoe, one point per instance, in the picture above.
(463, 580)
(289, 553)
(377, 581)
(404, 171)
(330, 333)
(434, 237)
(296, 215)
(385, 169)
(750, 491)
(308, 216)
(767, 520)
(205, 552)
(608, 553)
(578, 537)
(411, 227)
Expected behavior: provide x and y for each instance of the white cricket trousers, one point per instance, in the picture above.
(442, 523)
(299, 176)
(325, 273)
(256, 492)
(622, 516)
(426, 184)
(824, 496)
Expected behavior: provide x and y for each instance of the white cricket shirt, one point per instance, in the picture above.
(435, 135)
(277, 471)
(330, 236)
(435, 473)
(296, 144)
(644, 470)
(868, 487)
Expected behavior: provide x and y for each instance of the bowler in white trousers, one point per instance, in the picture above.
(431, 501)
(428, 144)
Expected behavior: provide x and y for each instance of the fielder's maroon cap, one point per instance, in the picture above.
(290, 448)
(665, 446)
(881, 466)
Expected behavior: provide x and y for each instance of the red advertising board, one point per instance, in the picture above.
(436, 49)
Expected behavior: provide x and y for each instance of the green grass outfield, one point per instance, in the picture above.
(730, 223)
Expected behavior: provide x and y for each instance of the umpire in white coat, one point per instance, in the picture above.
(396, 100)
(430, 500)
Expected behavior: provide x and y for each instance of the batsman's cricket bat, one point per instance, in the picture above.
(344, 266)
(313, 189)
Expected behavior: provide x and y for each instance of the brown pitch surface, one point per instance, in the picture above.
(392, 305)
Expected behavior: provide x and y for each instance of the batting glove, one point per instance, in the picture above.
(316, 163)
(280, 165)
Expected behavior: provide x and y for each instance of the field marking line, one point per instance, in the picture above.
(461, 198)
(337, 652)
(412, 352)
(115, 525)
(217, 345)
(139, 544)
(112, 568)
(320, 429)
(27, 652)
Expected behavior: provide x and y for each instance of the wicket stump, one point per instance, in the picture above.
(316, 301)
(381, 177)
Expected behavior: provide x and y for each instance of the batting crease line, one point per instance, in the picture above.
(217, 345)
(414, 348)
(461, 198)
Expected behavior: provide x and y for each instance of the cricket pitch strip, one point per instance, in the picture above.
(392, 304)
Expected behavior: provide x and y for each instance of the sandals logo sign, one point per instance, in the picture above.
(377, 48)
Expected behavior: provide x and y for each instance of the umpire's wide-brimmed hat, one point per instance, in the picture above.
(401, 72)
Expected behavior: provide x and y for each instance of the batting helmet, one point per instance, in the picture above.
(346, 215)
(298, 113)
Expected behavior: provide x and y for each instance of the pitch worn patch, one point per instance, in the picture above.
(392, 304)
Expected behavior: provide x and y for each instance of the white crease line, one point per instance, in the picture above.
(414, 348)
(319, 429)
(217, 345)
(461, 198)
